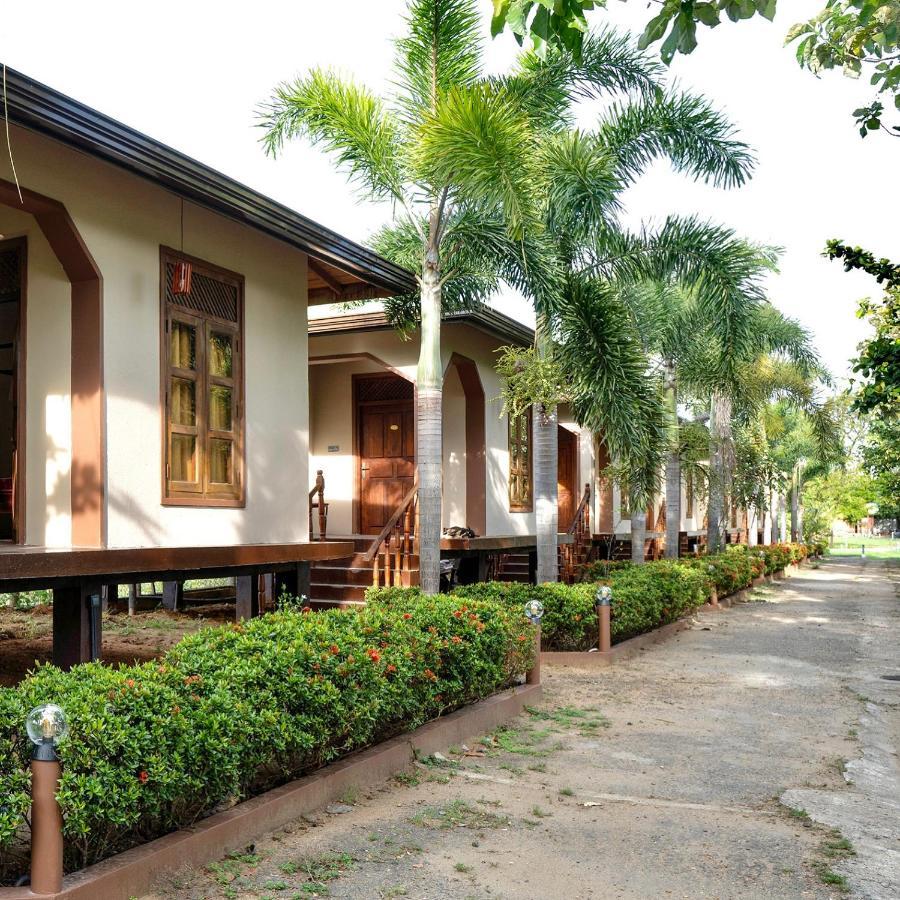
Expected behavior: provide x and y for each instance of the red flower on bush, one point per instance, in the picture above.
(129, 682)
(430, 675)
(142, 777)
(457, 613)
(335, 649)
(523, 637)
(391, 668)
(407, 616)
(306, 609)
(456, 639)
(374, 655)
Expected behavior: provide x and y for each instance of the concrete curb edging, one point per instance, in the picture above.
(133, 872)
(595, 659)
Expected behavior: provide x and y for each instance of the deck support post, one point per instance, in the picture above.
(173, 595)
(246, 596)
(77, 625)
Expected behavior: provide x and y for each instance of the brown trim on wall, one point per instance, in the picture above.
(88, 471)
(20, 244)
(605, 511)
(476, 450)
(349, 357)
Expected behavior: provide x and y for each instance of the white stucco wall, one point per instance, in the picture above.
(391, 350)
(123, 221)
(48, 420)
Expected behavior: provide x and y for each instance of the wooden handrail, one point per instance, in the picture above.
(320, 504)
(577, 554)
(585, 500)
(393, 520)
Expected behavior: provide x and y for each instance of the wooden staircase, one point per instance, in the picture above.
(513, 567)
(389, 560)
(343, 582)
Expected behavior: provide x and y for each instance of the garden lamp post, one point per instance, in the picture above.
(534, 612)
(713, 593)
(46, 726)
(603, 605)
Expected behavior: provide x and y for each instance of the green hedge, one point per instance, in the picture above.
(644, 597)
(235, 710)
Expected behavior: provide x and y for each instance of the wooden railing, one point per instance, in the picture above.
(318, 492)
(395, 549)
(577, 554)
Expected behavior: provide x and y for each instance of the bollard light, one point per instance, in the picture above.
(534, 612)
(602, 603)
(46, 726)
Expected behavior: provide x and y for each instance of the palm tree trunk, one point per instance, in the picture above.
(429, 449)
(795, 504)
(546, 509)
(638, 533)
(545, 474)
(719, 414)
(773, 512)
(673, 466)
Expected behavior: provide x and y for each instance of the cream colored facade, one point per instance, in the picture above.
(123, 221)
(336, 356)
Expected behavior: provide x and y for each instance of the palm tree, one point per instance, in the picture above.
(577, 181)
(773, 359)
(585, 174)
(452, 151)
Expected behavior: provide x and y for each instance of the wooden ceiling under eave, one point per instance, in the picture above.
(328, 284)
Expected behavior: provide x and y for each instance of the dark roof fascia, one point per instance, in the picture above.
(40, 108)
(494, 323)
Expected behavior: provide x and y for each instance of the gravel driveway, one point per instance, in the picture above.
(753, 755)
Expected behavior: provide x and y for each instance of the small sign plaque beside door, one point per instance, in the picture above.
(334, 448)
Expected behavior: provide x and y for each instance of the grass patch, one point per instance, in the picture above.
(458, 814)
(462, 867)
(566, 792)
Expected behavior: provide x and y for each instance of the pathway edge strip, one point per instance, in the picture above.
(133, 872)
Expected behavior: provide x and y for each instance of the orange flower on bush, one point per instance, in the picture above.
(430, 675)
(374, 655)
(176, 710)
(129, 682)
(335, 649)
(456, 639)
(306, 609)
(407, 615)
(391, 668)
(457, 613)
(142, 777)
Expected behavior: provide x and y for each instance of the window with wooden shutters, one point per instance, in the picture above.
(520, 487)
(203, 385)
(689, 495)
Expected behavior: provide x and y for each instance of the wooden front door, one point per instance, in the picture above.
(387, 462)
(567, 477)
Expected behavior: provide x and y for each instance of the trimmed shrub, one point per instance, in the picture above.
(235, 710)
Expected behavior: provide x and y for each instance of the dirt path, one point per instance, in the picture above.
(659, 778)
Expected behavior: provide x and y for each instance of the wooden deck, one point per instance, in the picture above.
(25, 568)
(495, 543)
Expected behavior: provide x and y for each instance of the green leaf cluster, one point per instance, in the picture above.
(235, 710)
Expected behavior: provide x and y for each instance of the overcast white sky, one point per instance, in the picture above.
(191, 74)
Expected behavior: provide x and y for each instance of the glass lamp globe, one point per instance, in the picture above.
(604, 593)
(534, 610)
(46, 723)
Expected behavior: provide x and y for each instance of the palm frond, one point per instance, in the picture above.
(582, 187)
(346, 120)
(441, 51)
(683, 128)
(547, 86)
(478, 143)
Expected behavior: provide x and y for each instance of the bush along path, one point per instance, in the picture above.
(644, 597)
(661, 777)
(232, 711)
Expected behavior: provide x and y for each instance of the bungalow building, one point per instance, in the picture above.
(154, 421)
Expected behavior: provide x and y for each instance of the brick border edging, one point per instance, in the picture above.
(633, 646)
(134, 871)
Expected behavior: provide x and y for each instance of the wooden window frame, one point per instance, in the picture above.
(202, 492)
(689, 495)
(528, 505)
